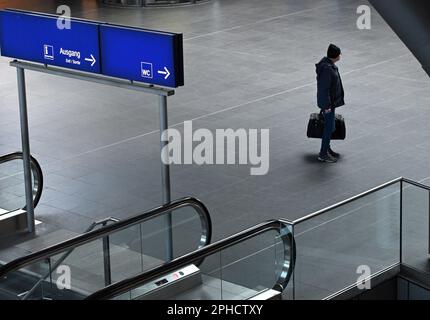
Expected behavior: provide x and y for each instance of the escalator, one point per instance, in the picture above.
(17, 282)
(12, 187)
(79, 267)
(255, 264)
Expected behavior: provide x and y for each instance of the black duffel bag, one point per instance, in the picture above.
(316, 127)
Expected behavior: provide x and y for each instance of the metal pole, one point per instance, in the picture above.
(25, 140)
(106, 261)
(165, 176)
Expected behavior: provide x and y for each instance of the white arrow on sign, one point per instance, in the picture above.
(166, 72)
(93, 60)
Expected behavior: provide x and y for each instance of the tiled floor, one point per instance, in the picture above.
(248, 64)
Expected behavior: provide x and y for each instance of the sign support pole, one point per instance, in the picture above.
(165, 175)
(162, 93)
(25, 140)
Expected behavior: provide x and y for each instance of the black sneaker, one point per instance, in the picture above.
(333, 154)
(327, 158)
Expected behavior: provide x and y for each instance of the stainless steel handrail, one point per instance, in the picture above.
(200, 208)
(344, 202)
(281, 226)
(361, 195)
(36, 171)
(417, 184)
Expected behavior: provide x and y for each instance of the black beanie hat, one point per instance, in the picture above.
(333, 51)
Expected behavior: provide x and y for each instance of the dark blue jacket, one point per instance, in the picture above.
(330, 89)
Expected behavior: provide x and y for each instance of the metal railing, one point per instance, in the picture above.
(389, 270)
(361, 195)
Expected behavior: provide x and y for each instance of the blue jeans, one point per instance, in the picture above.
(329, 128)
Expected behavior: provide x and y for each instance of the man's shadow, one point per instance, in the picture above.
(317, 170)
(313, 158)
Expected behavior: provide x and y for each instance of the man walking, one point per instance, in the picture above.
(330, 96)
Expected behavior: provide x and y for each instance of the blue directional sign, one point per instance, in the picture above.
(142, 55)
(36, 37)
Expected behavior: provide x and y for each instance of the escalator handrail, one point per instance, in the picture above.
(280, 225)
(113, 228)
(38, 178)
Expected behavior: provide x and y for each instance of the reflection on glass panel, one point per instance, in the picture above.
(186, 231)
(79, 273)
(125, 252)
(250, 267)
(331, 247)
(19, 283)
(415, 229)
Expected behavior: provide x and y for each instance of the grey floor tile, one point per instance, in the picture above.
(247, 65)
